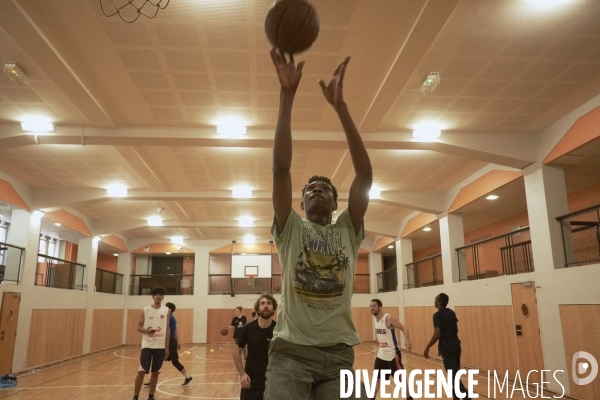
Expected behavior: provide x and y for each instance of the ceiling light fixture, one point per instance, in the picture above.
(246, 221)
(375, 192)
(116, 190)
(37, 214)
(168, 253)
(57, 224)
(130, 12)
(231, 127)
(427, 229)
(426, 135)
(249, 239)
(430, 83)
(177, 240)
(37, 126)
(155, 221)
(116, 254)
(391, 246)
(241, 192)
(491, 197)
(15, 73)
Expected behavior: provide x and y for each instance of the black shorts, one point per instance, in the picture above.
(394, 364)
(151, 357)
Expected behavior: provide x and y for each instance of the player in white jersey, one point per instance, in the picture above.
(388, 356)
(154, 324)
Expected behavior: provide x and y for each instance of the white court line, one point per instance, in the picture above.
(196, 397)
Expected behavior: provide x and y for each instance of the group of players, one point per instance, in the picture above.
(314, 335)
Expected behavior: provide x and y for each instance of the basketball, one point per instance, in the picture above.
(224, 331)
(292, 26)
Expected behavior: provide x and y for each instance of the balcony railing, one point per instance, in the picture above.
(109, 282)
(506, 254)
(387, 281)
(225, 284)
(57, 273)
(175, 284)
(11, 257)
(424, 272)
(581, 236)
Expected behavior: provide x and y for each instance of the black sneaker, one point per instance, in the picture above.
(146, 384)
(151, 397)
(187, 381)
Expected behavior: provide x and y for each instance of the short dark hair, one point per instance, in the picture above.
(158, 290)
(443, 298)
(268, 297)
(171, 307)
(378, 302)
(325, 179)
(239, 308)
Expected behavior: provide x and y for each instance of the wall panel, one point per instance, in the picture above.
(55, 335)
(218, 318)
(419, 321)
(107, 329)
(185, 325)
(132, 336)
(363, 321)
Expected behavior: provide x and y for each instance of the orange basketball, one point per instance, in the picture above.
(292, 26)
(224, 331)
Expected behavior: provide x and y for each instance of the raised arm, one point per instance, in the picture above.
(359, 191)
(289, 77)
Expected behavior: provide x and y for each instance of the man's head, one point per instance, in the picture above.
(319, 195)
(441, 300)
(375, 306)
(265, 306)
(171, 307)
(238, 311)
(158, 294)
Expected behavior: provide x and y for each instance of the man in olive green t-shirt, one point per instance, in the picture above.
(314, 335)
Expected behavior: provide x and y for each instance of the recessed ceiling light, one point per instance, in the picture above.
(177, 240)
(246, 221)
(37, 126)
(249, 239)
(231, 127)
(241, 192)
(155, 221)
(375, 192)
(427, 229)
(391, 246)
(116, 190)
(491, 197)
(116, 254)
(426, 134)
(38, 214)
(168, 253)
(57, 224)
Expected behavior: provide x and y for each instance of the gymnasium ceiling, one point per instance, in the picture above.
(137, 104)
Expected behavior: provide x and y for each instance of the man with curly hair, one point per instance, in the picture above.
(314, 335)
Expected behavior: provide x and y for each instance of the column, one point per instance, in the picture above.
(452, 236)
(124, 267)
(547, 199)
(88, 254)
(24, 232)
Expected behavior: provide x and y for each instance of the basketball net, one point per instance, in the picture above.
(251, 280)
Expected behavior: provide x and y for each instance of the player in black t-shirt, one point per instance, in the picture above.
(257, 336)
(237, 324)
(445, 325)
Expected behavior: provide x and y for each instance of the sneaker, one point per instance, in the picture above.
(151, 397)
(146, 384)
(187, 381)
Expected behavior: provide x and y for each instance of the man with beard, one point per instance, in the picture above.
(388, 356)
(257, 336)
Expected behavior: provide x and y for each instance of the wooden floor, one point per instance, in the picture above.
(110, 375)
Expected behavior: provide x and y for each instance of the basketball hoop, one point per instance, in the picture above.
(129, 11)
(251, 280)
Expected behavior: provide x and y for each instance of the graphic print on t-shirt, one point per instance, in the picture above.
(320, 272)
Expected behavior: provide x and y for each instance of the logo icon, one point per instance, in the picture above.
(582, 367)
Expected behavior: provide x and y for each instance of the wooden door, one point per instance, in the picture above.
(527, 329)
(9, 316)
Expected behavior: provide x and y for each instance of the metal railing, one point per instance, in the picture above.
(424, 272)
(387, 281)
(224, 284)
(506, 254)
(109, 282)
(581, 236)
(11, 257)
(175, 284)
(57, 273)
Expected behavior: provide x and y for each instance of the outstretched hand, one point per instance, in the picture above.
(333, 91)
(288, 73)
